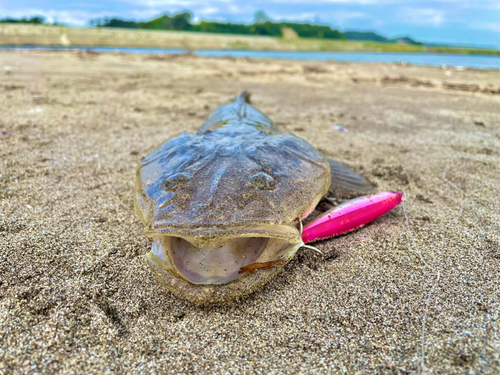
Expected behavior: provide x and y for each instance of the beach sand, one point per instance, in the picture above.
(76, 295)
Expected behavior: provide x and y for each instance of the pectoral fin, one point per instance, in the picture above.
(346, 183)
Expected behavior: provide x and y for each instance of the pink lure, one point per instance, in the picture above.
(351, 215)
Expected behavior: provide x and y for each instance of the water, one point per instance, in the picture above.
(433, 59)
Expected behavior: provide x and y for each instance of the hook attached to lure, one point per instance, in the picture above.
(351, 215)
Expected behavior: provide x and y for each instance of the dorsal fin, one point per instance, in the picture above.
(239, 112)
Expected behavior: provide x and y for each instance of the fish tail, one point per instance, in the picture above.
(244, 97)
(240, 112)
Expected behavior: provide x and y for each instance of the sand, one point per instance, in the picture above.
(76, 295)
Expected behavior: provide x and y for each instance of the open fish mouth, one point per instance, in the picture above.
(221, 260)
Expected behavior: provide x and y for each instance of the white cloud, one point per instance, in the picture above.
(300, 17)
(342, 17)
(355, 2)
(420, 16)
(163, 3)
(177, 3)
(257, 4)
(209, 11)
(337, 18)
(492, 26)
(368, 2)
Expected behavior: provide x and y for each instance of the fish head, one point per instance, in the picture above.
(222, 208)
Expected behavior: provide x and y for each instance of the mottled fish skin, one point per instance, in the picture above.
(238, 176)
(213, 176)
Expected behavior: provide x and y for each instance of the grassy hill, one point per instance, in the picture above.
(370, 36)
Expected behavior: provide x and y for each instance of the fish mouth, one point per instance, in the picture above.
(221, 260)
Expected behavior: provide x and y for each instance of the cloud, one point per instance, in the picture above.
(492, 26)
(178, 3)
(255, 4)
(322, 2)
(339, 18)
(209, 11)
(422, 17)
(342, 17)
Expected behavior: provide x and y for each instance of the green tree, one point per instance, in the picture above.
(181, 21)
(261, 17)
(37, 20)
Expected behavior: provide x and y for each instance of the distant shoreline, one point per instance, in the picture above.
(39, 35)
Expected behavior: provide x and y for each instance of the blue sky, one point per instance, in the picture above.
(475, 22)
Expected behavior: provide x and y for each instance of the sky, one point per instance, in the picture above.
(468, 22)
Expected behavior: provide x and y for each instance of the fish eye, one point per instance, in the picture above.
(175, 181)
(262, 181)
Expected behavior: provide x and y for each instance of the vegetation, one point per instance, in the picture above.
(261, 26)
(370, 36)
(36, 20)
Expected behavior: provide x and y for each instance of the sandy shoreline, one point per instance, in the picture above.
(76, 295)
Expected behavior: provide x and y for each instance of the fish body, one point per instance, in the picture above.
(225, 202)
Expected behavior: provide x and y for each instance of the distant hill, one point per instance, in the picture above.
(365, 36)
(370, 36)
(262, 25)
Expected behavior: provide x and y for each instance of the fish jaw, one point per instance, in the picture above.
(221, 269)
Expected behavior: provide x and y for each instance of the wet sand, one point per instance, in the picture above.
(76, 295)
